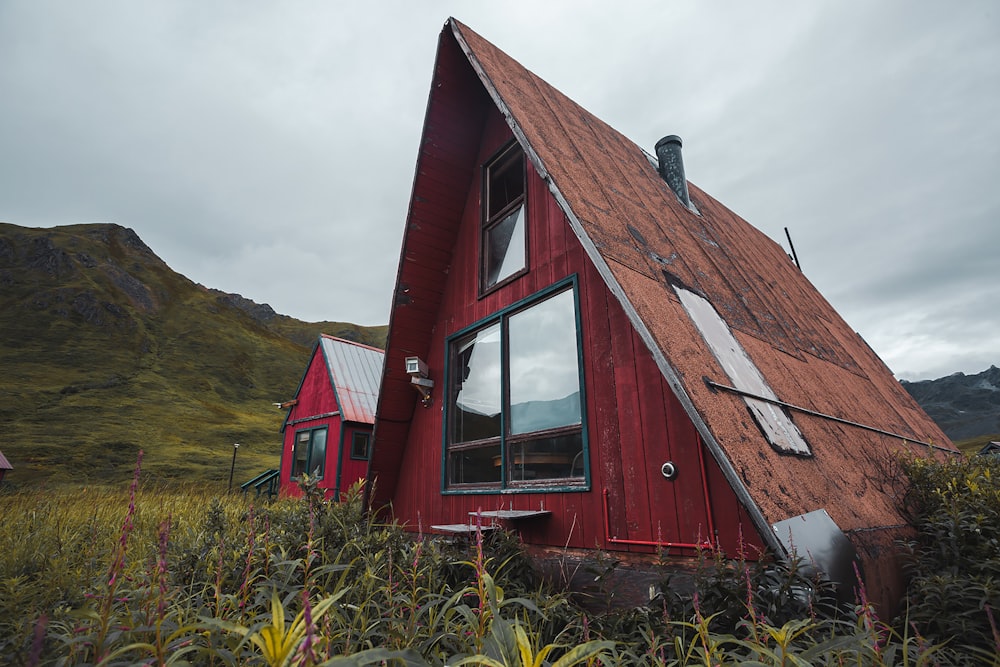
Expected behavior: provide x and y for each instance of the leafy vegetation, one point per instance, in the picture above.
(955, 562)
(106, 351)
(157, 575)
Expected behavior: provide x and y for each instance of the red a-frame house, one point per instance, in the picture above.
(589, 349)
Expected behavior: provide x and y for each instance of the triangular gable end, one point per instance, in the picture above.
(298, 390)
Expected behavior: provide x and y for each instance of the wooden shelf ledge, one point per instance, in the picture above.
(461, 528)
(511, 515)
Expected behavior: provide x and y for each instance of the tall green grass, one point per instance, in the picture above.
(166, 575)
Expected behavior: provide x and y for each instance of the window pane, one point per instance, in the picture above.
(504, 250)
(317, 456)
(479, 465)
(555, 457)
(300, 453)
(475, 386)
(505, 180)
(359, 446)
(544, 366)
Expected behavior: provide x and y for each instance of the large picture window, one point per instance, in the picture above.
(309, 453)
(504, 245)
(515, 405)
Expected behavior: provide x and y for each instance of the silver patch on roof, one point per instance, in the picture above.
(776, 425)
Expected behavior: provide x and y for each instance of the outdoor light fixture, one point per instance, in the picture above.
(416, 368)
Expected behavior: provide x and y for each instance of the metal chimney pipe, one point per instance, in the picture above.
(668, 154)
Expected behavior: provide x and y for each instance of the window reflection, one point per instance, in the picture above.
(516, 399)
(544, 372)
(476, 382)
(505, 248)
(309, 453)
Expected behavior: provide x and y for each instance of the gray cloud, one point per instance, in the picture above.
(269, 149)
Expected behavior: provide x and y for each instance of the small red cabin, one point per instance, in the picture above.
(327, 431)
(587, 348)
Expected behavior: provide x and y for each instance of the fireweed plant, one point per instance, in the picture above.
(181, 576)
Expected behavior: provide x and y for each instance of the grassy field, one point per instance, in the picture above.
(147, 574)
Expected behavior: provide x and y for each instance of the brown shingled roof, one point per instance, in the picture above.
(645, 242)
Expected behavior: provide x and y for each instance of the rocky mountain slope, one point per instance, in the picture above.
(964, 406)
(105, 350)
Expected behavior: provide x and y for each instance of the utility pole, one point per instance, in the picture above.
(232, 468)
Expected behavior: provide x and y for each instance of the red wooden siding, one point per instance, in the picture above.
(634, 422)
(352, 470)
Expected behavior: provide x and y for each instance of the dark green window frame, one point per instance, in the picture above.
(361, 445)
(561, 449)
(313, 443)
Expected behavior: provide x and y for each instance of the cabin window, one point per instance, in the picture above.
(504, 241)
(359, 445)
(515, 408)
(309, 453)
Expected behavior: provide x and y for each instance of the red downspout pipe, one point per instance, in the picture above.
(645, 543)
(658, 543)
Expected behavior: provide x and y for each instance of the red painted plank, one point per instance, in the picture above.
(630, 416)
(653, 449)
(603, 433)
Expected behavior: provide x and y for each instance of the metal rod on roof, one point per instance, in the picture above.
(795, 257)
(715, 385)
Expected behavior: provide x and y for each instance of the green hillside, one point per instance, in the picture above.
(104, 350)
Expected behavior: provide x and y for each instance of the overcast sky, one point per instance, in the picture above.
(268, 148)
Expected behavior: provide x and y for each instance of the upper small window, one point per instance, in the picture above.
(504, 247)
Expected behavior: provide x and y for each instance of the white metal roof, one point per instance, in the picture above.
(356, 372)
